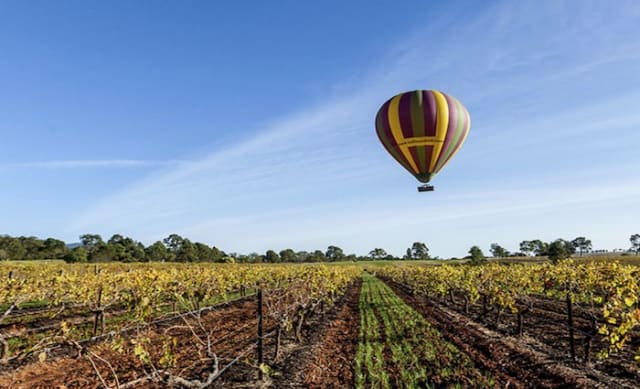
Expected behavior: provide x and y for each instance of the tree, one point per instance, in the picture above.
(12, 247)
(351, 258)
(53, 248)
(559, 249)
(476, 255)
(125, 249)
(187, 252)
(203, 252)
(216, 254)
(334, 253)
(419, 250)
(498, 251)
(526, 247)
(89, 241)
(378, 253)
(77, 255)
(635, 243)
(173, 243)
(271, 257)
(102, 252)
(317, 256)
(407, 254)
(287, 255)
(253, 258)
(582, 244)
(304, 256)
(33, 247)
(158, 252)
(539, 247)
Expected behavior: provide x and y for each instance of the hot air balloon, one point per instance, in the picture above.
(422, 130)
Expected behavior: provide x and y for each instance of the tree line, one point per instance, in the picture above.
(557, 249)
(175, 248)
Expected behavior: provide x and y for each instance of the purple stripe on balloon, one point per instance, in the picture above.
(454, 117)
(428, 151)
(429, 112)
(383, 130)
(404, 115)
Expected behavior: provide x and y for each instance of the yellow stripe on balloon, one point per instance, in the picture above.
(396, 131)
(442, 121)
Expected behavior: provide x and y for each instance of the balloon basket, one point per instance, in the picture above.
(425, 188)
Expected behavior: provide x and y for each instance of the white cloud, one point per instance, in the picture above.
(87, 164)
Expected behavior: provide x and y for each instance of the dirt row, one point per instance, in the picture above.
(519, 361)
(179, 352)
(325, 357)
(179, 349)
(545, 329)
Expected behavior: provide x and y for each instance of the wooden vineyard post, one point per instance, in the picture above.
(98, 313)
(278, 336)
(520, 322)
(260, 340)
(10, 274)
(485, 308)
(592, 333)
(572, 345)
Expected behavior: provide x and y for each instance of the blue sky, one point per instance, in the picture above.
(249, 125)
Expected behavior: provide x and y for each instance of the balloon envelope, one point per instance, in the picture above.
(422, 130)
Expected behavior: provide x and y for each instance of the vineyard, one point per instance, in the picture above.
(360, 325)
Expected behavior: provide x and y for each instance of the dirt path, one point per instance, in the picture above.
(325, 358)
(332, 364)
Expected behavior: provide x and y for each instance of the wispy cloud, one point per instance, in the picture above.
(360, 226)
(314, 176)
(89, 164)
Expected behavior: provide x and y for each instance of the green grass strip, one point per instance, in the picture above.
(418, 356)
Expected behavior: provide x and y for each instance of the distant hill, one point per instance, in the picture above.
(72, 246)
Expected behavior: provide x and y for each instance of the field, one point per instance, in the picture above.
(377, 324)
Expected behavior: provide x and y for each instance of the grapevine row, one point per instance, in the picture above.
(607, 293)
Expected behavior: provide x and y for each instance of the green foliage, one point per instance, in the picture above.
(498, 251)
(418, 250)
(395, 336)
(158, 252)
(534, 247)
(288, 255)
(334, 253)
(89, 241)
(77, 255)
(378, 253)
(476, 255)
(635, 243)
(271, 257)
(582, 244)
(558, 250)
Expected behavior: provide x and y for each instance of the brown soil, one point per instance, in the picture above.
(333, 359)
(231, 330)
(520, 361)
(323, 359)
(545, 329)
